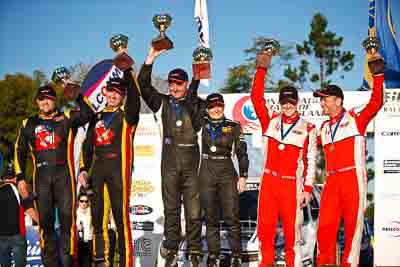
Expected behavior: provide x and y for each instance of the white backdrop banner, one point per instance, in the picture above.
(387, 182)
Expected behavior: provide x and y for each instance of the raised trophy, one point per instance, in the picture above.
(162, 22)
(119, 44)
(271, 48)
(62, 76)
(375, 61)
(201, 66)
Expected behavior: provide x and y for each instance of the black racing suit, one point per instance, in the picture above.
(108, 153)
(179, 160)
(50, 140)
(219, 179)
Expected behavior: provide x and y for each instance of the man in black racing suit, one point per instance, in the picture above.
(175, 113)
(107, 153)
(49, 137)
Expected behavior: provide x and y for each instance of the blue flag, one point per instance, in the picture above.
(384, 23)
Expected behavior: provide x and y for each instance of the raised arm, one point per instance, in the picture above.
(374, 105)
(132, 104)
(257, 98)
(82, 115)
(150, 95)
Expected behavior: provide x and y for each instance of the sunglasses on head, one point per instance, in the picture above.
(84, 201)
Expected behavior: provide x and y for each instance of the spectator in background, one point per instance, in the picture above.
(85, 231)
(12, 228)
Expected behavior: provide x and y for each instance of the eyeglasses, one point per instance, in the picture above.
(84, 201)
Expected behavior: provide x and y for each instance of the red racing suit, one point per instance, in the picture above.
(289, 169)
(344, 193)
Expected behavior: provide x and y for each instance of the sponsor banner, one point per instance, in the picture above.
(140, 210)
(95, 81)
(33, 249)
(146, 207)
(143, 247)
(387, 182)
(239, 107)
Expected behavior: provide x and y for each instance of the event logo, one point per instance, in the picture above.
(143, 226)
(395, 133)
(141, 188)
(33, 249)
(243, 112)
(142, 247)
(144, 150)
(140, 210)
(393, 229)
(46, 139)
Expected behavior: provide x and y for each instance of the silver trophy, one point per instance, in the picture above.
(162, 23)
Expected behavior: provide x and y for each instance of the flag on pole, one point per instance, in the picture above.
(201, 16)
(384, 24)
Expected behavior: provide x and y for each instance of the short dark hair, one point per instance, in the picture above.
(82, 194)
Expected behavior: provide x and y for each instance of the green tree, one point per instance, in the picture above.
(16, 102)
(240, 77)
(324, 47)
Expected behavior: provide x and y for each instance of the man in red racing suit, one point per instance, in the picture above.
(344, 195)
(289, 171)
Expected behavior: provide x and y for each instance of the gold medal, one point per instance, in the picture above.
(281, 147)
(331, 148)
(179, 123)
(213, 148)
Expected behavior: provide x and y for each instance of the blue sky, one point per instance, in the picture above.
(46, 34)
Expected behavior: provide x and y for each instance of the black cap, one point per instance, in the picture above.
(46, 91)
(117, 84)
(214, 100)
(329, 90)
(178, 75)
(288, 94)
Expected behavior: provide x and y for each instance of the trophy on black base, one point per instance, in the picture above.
(62, 76)
(271, 48)
(201, 66)
(119, 44)
(375, 61)
(162, 22)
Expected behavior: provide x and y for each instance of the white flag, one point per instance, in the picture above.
(201, 16)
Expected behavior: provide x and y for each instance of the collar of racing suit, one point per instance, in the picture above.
(216, 121)
(111, 109)
(48, 117)
(290, 120)
(335, 119)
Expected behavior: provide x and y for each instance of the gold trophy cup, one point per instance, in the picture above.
(62, 76)
(375, 61)
(119, 44)
(271, 48)
(162, 22)
(201, 66)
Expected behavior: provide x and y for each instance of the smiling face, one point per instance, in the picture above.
(330, 105)
(289, 109)
(216, 112)
(113, 98)
(46, 104)
(177, 88)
